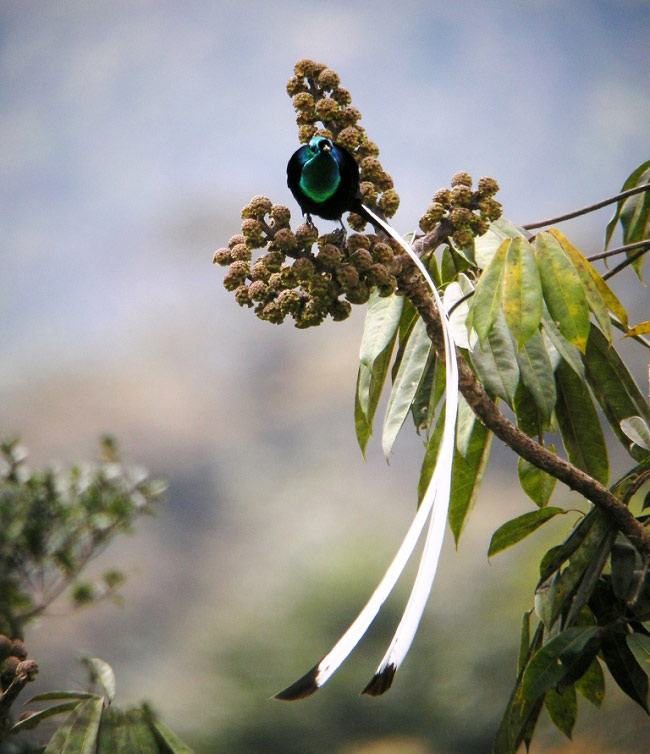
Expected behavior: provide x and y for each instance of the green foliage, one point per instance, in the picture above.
(52, 522)
(94, 725)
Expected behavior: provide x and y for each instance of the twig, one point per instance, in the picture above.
(590, 208)
(619, 250)
(624, 264)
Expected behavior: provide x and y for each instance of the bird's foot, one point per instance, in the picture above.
(340, 234)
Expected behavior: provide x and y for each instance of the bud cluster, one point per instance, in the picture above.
(467, 212)
(318, 97)
(14, 663)
(302, 274)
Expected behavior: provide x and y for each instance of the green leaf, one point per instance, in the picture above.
(536, 373)
(580, 427)
(522, 291)
(567, 350)
(382, 319)
(558, 555)
(486, 302)
(563, 291)
(101, 673)
(524, 642)
(529, 417)
(465, 421)
(143, 738)
(112, 737)
(370, 384)
(496, 362)
(432, 446)
(600, 296)
(643, 328)
(592, 684)
(562, 707)
(614, 387)
(466, 476)
(31, 721)
(639, 645)
(406, 383)
(556, 658)
(51, 695)
(624, 668)
(637, 430)
(623, 560)
(78, 735)
(519, 528)
(537, 484)
(633, 212)
(167, 736)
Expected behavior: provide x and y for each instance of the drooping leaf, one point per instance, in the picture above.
(600, 296)
(562, 707)
(370, 384)
(411, 370)
(614, 387)
(567, 350)
(52, 695)
(624, 668)
(529, 417)
(637, 430)
(78, 735)
(519, 528)
(563, 291)
(557, 556)
(639, 645)
(592, 684)
(623, 559)
(635, 219)
(142, 736)
(544, 672)
(432, 446)
(382, 319)
(537, 484)
(638, 177)
(536, 373)
(486, 302)
(580, 427)
(467, 475)
(496, 362)
(522, 291)
(113, 737)
(102, 674)
(31, 721)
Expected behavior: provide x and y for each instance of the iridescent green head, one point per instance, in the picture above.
(320, 175)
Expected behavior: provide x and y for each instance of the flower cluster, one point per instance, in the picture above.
(318, 97)
(468, 213)
(302, 274)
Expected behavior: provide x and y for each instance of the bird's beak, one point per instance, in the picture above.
(326, 148)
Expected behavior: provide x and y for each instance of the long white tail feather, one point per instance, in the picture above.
(439, 489)
(435, 502)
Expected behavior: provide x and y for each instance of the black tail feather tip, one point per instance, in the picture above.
(380, 682)
(302, 688)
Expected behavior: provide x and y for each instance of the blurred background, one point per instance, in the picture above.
(131, 134)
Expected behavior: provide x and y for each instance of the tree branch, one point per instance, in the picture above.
(620, 250)
(624, 264)
(590, 208)
(522, 444)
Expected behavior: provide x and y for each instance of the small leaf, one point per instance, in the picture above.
(519, 528)
(624, 668)
(562, 707)
(536, 373)
(31, 721)
(639, 645)
(563, 291)
(522, 291)
(101, 673)
(406, 383)
(486, 302)
(599, 295)
(637, 430)
(592, 684)
(580, 427)
(537, 484)
(466, 476)
(496, 362)
(556, 658)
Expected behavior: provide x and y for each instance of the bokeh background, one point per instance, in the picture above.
(131, 134)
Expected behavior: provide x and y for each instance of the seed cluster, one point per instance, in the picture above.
(302, 274)
(317, 97)
(467, 212)
(14, 662)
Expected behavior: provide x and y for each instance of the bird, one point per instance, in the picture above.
(324, 179)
